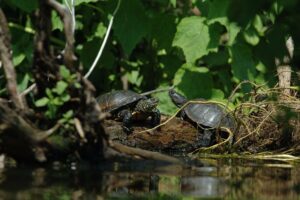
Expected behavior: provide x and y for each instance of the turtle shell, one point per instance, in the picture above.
(209, 114)
(112, 101)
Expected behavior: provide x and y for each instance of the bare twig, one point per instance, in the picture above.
(79, 129)
(157, 91)
(28, 90)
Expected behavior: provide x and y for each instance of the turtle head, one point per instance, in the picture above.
(147, 105)
(177, 98)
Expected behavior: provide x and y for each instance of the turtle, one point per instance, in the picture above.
(127, 105)
(208, 116)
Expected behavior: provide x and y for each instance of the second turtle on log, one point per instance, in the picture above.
(127, 105)
(208, 116)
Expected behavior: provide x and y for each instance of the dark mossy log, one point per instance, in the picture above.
(175, 137)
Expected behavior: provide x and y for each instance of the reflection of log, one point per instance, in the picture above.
(175, 137)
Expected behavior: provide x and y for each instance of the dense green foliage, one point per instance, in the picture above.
(204, 47)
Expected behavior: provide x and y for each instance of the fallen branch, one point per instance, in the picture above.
(143, 153)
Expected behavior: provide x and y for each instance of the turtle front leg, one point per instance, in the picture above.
(126, 117)
(208, 138)
(155, 117)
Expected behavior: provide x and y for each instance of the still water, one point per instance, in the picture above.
(213, 179)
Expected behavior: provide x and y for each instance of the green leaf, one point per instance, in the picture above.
(57, 102)
(17, 59)
(26, 5)
(258, 25)
(194, 38)
(261, 67)
(42, 102)
(217, 94)
(77, 2)
(89, 52)
(68, 114)
(24, 83)
(165, 106)
(77, 85)
(49, 93)
(194, 82)
(64, 72)
(56, 21)
(134, 77)
(217, 59)
(243, 66)
(65, 97)
(218, 11)
(163, 38)
(233, 30)
(101, 30)
(173, 3)
(61, 86)
(251, 37)
(131, 24)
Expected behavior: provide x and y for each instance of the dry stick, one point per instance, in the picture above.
(157, 91)
(143, 153)
(28, 90)
(79, 129)
(8, 66)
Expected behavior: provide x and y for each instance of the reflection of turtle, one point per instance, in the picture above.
(127, 106)
(208, 116)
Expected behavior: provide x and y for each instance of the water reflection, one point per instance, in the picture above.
(216, 179)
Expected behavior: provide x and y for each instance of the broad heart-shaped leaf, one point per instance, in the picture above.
(194, 82)
(131, 24)
(166, 23)
(243, 66)
(193, 36)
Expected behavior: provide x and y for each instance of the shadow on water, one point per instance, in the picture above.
(215, 179)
